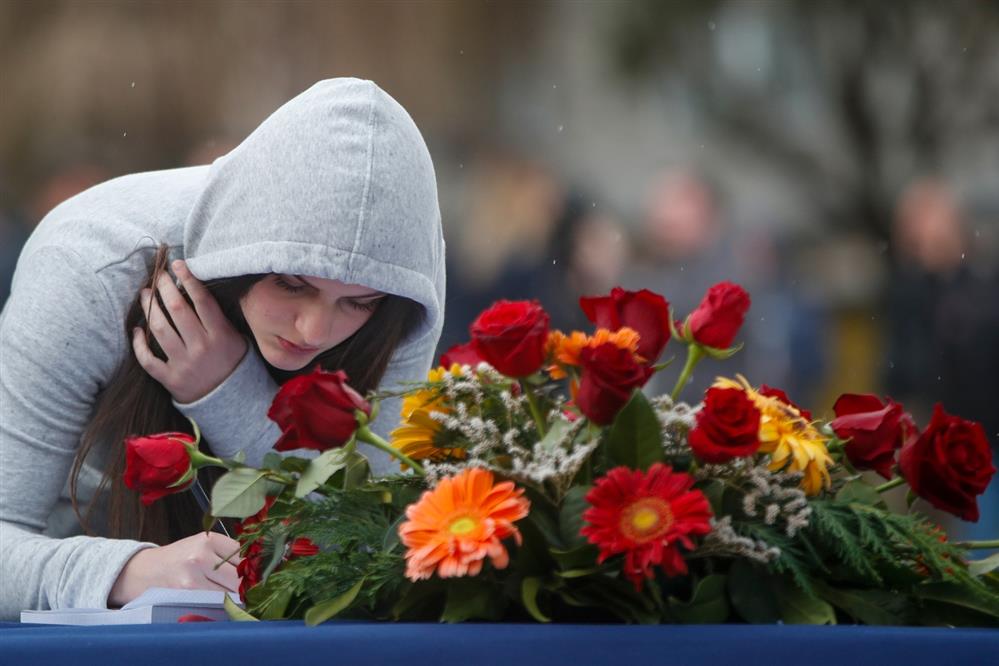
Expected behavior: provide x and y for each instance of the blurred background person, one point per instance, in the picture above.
(943, 326)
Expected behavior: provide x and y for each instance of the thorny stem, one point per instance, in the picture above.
(894, 483)
(365, 435)
(532, 402)
(979, 545)
(694, 354)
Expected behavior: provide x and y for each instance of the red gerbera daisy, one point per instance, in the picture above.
(646, 515)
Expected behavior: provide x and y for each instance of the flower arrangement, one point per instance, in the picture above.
(537, 481)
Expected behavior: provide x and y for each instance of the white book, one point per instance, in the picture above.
(155, 605)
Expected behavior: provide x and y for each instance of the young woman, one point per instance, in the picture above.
(316, 241)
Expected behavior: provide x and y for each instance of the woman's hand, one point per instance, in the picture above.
(203, 350)
(190, 564)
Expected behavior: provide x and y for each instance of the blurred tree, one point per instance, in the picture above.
(848, 100)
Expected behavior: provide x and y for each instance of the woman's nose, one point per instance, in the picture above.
(315, 325)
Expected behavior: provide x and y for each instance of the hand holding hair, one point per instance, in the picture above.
(201, 346)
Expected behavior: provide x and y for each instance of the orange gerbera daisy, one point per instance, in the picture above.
(453, 527)
(646, 516)
(565, 349)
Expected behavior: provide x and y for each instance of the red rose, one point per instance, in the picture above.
(610, 374)
(154, 462)
(644, 311)
(462, 355)
(511, 337)
(771, 392)
(728, 426)
(303, 547)
(316, 411)
(250, 568)
(875, 430)
(719, 316)
(950, 464)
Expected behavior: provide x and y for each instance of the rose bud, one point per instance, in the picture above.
(316, 411)
(644, 311)
(950, 464)
(511, 336)
(718, 318)
(772, 392)
(462, 355)
(155, 462)
(610, 374)
(728, 426)
(874, 430)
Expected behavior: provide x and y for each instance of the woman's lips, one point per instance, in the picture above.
(295, 349)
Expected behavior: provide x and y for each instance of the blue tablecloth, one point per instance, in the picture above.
(342, 643)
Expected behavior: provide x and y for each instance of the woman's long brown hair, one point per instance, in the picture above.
(133, 403)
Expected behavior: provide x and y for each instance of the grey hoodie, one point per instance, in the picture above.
(337, 183)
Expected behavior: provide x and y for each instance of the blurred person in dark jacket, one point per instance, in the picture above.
(943, 307)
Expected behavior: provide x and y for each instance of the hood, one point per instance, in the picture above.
(337, 183)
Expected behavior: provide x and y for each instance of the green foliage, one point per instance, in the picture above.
(708, 604)
(635, 437)
(239, 493)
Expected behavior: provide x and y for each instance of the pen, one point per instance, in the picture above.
(202, 498)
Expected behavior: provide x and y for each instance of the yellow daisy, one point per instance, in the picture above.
(793, 443)
(418, 429)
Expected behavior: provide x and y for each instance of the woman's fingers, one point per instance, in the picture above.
(162, 330)
(147, 359)
(185, 319)
(225, 576)
(225, 547)
(205, 304)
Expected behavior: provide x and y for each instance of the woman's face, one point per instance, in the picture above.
(294, 319)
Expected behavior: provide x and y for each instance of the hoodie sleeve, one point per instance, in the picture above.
(58, 346)
(233, 416)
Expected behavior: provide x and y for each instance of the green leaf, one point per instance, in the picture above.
(272, 461)
(239, 493)
(276, 556)
(328, 609)
(471, 600)
(708, 604)
(799, 607)
(722, 354)
(635, 438)
(982, 567)
(580, 557)
(959, 595)
(751, 591)
(320, 468)
(859, 492)
(529, 596)
(578, 573)
(268, 601)
(357, 472)
(207, 522)
(240, 457)
(714, 490)
(557, 431)
(235, 613)
(391, 539)
(420, 597)
(570, 518)
(881, 607)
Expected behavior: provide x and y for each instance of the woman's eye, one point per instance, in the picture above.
(368, 306)
(291, 288)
